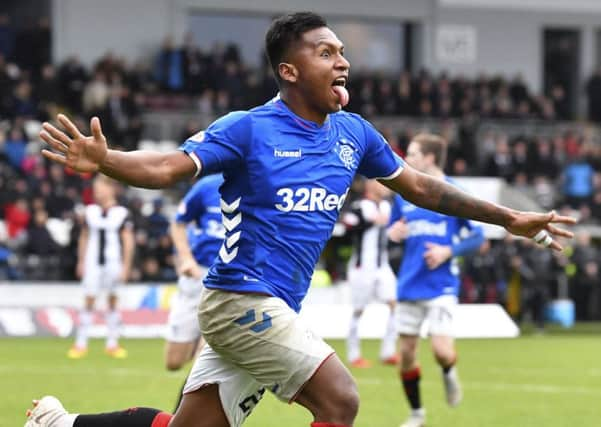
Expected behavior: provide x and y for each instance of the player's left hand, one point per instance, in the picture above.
(124, 275)
(541, 228)
(436, 254)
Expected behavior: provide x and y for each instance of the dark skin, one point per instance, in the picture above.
(307, 73)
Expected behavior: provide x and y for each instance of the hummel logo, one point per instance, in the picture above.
(285, 153)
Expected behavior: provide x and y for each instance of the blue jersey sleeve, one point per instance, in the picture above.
(397, 210)
(470, 243)
(192, 205)
(223, 145)
(379, 161)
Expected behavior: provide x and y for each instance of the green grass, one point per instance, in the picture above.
(549, 380)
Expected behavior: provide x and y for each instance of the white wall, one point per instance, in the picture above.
(135, 28)
(508, 40)
(511, 41)
(90, 28)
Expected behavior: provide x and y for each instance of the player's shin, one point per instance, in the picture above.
(410, 380)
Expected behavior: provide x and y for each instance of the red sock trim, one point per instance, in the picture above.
(161, 420)
(411, 374)
(327, 425)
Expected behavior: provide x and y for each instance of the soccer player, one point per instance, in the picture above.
(369, 273)
(197, 235)
(428, 282)
(287, 166)
(105, 252)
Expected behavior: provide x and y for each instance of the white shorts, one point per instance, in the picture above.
(182, 324)
(369, 285)
(437, 312)
(255, 343)
(101, 278)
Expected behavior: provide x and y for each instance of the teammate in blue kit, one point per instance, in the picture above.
(287, 167)
(197, 234)
(428, 278)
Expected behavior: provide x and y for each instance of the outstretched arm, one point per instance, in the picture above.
(437, 195)
(82, 153)
(187, 264)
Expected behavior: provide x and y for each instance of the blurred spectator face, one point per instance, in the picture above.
(38, 204)
(40, 217)
(484, 247)
(16, 135)
(21, 186)
(583, 238)
(104, 190)
(151, 267)
(56, 173)
(23, 90)
(459, 167)
(416, 158)
(48, 72)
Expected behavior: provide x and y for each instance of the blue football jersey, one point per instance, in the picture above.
(285, 180)
(415, 280)
(200, 208)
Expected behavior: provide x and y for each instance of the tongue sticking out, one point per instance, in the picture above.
(343, 96)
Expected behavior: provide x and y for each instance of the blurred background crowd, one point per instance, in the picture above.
(496, 126)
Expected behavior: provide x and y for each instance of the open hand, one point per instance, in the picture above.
(73, 149)
(530, 224)
(436, 254)
(190, 268)
(398, 231)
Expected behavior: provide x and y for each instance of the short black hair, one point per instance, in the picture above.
(286, 30)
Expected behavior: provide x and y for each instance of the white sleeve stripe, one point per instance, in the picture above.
(394, 174)
(196, 161)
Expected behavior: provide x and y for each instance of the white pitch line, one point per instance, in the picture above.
(495, 386)
(128, 372)
(78, 370)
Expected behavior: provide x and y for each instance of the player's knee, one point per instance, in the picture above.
(344, 404)
(173, 364)
(445, 357)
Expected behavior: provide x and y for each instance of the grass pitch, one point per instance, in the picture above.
(551, 380)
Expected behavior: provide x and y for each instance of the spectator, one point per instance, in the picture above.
(7, 36)
(593, 92)
(158, 224)
(169, 67)
(72, 79)
(17, 218)
(578, 182)
(39, 240)
(584, 289)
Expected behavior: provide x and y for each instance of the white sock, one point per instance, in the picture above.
(419, 412)
(85, 320)
(69, 420)
(113, 324)
(388, 348)
(353, 346)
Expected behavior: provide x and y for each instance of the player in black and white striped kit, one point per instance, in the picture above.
(369, 273)
(105, 253)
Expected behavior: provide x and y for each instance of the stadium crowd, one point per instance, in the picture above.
(40, 204)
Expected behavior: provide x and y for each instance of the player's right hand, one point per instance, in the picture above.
(190, 268)
(398, 231)
(73, 149)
